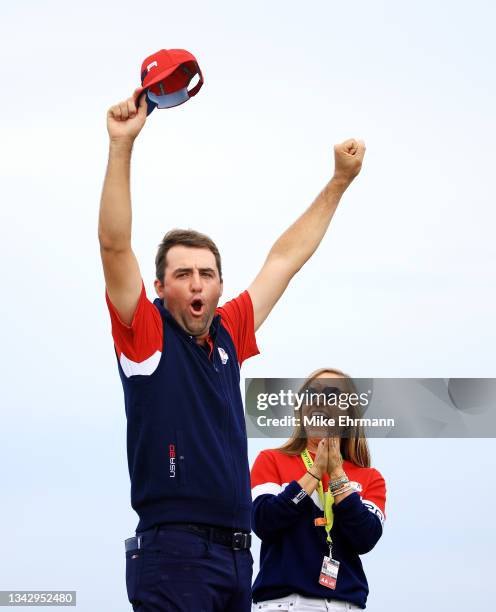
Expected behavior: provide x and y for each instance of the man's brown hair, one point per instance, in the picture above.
(188, 238)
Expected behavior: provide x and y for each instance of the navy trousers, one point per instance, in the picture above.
(176, 570)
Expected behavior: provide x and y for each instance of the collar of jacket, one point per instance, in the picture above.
(214, 326)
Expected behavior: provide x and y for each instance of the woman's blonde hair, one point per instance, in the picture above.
(353, 448)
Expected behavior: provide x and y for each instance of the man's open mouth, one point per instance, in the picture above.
(197, 307)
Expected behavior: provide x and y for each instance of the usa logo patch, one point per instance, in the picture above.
(223, 355)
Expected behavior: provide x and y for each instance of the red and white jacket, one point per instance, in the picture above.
(293, 547)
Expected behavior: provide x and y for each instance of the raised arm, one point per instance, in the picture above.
(120, 267)
(298, 243)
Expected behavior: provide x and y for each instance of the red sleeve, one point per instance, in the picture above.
(138, 345)
(264, 471)
(237, 317)
(374, 495)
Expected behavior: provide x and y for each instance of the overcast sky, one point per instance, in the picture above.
(402, 285)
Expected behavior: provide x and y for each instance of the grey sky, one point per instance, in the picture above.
(402, 285)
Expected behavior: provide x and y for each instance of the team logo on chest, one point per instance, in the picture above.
(223, 355)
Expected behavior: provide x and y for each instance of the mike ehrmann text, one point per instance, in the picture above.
(321, 421)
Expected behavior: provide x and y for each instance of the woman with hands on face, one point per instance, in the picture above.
(328, 462)
(317, 506)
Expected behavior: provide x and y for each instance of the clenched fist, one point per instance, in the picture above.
(348, 158)
(124, 120)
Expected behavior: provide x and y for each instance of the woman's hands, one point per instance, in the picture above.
(319, 467)
(328, 459)
(334, 458)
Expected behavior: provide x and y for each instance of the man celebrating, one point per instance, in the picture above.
(179, 359)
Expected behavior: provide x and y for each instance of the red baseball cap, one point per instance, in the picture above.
(166, 75)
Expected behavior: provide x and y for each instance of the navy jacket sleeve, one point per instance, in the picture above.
(273, 513)
(360, 521)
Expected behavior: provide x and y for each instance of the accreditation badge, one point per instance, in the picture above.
(329, 573)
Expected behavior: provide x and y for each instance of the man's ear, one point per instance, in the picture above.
(159, 288)
(221, 287)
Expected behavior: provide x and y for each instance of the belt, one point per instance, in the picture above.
(237, 540)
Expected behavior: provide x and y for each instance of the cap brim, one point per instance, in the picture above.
(169, 100)
(150, 106)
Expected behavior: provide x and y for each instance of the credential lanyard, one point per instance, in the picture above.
(326, 499)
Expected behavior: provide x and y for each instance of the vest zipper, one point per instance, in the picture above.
(233, 473)
(230, 455)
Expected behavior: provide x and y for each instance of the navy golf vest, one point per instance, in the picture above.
(186, 434)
